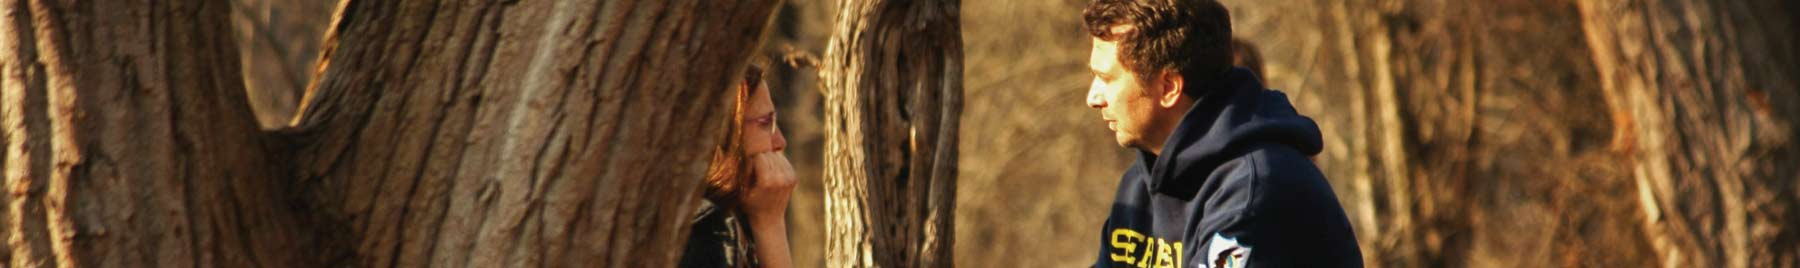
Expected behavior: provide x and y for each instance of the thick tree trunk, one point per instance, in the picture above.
(442, 133)
(1690, 84)
(129, 142)
(893, 79)
(521, 133)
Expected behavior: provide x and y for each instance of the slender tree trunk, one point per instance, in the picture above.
(1578, 133)
(1690, 84)
(441, 133)
(893, 79)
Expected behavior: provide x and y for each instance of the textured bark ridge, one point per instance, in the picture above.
(1690, 84)
(521, 133)
(893, 94)
(440, 133)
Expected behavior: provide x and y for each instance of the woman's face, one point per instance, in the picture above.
(761, 135)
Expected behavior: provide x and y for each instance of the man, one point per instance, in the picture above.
(1222, 177)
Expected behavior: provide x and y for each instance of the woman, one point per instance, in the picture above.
(742, 223)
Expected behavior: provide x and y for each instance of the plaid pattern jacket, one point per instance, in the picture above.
(719, 238)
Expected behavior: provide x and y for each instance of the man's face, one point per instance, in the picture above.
(1127, 104)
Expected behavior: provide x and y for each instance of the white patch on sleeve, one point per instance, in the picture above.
(1222, 252)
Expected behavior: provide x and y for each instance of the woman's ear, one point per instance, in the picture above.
(1172, 87)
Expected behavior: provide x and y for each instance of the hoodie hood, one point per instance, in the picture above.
(1237, 114)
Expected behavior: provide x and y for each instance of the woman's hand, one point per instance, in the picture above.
(766, 205)
(768, 197)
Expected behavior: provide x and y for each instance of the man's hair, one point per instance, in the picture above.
(1191, 37)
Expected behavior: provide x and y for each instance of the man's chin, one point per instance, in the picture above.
(1124, 142)
(1131, 142)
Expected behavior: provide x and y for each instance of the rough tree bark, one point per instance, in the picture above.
(129, 142)
(1690, 85)
(441, 133)
(893, 93)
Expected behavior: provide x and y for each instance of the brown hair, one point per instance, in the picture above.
(1191, 37)
(729, 173)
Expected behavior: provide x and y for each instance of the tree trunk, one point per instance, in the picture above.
(130, 144)
(893, 80)
(453, 133)
(1690, 85)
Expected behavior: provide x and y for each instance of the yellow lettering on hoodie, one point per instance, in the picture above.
(1126, 240)
(1157, 252)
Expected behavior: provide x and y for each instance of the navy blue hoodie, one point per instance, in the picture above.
(1234, 188)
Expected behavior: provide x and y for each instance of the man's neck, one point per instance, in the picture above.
(1153, 142)
(1155, 149)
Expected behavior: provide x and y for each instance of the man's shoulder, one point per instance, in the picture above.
(1277, 164)
(1274, 176)
(1289, 204)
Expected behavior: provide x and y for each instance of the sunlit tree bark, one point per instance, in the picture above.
(893, 93)
(1690, 85)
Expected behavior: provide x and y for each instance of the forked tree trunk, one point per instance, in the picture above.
(441, 133)
(129, 142)
(1691, 84)
(893, 93)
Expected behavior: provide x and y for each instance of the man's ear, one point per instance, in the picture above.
(1172, 87)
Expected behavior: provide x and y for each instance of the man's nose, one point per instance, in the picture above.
(1093, 97)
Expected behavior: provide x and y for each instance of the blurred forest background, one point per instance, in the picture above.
(1458, 133)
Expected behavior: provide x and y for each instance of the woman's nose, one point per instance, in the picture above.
(779, 142)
